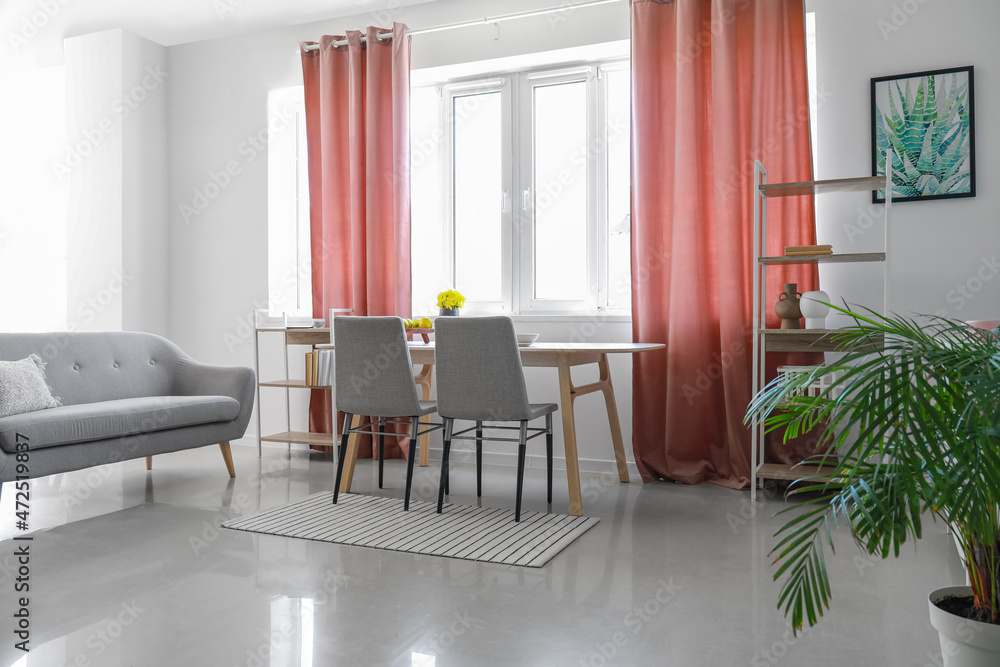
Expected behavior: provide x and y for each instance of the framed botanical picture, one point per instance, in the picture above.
(926, 122)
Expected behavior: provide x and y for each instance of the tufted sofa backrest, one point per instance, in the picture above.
(94, 367)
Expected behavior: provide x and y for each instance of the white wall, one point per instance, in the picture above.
(936, 246)
(115, 166)
(94, 81)
(218, 102)
(144, 189)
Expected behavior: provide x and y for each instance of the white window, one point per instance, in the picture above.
(289, 265)
(521, 187)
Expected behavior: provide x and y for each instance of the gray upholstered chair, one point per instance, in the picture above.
(373, 376)
(480, 379)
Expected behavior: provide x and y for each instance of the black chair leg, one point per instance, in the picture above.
(381, 448)
(479, 459)
(445, 452)
(521, 447)
(409, 460)
(341, 456)
(548, 453)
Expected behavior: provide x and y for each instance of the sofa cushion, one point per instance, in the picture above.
(23, 388)
(71, 424)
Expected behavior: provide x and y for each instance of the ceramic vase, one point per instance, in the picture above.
(814, 308)
(453, 312)
(787, 307)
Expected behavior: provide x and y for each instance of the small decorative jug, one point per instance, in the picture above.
(787, 307)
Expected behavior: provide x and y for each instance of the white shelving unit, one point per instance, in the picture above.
(798, 340)
(292, 336)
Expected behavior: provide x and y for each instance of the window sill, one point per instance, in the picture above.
(561, 317)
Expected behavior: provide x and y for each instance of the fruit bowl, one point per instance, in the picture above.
(527, 338)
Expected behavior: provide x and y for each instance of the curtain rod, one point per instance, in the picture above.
(483, 21)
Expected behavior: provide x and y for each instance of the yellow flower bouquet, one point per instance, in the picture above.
(451, 299)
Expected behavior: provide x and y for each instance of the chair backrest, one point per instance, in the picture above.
(478, 365)
(373, 375)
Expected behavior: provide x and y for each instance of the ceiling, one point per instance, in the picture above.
(168, 22)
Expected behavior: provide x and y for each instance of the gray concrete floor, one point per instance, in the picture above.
(129, 567)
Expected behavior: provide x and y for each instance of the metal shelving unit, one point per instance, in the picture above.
(798, 340)
(292, 336)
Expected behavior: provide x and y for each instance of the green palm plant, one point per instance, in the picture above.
(929, 141)
(916, 429)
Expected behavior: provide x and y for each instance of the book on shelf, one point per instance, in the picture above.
(326, 368)
(806, 253)
(310, 380)
(803, 250)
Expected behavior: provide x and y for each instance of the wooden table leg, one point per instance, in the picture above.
(567, 395)
(352, 455)
(424, 380)
(616, 427)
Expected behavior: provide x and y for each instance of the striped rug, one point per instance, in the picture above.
(470, 533)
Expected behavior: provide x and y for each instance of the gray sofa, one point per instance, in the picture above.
(124, 395)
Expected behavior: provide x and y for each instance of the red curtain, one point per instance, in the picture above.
(357, 101)
(715, 85)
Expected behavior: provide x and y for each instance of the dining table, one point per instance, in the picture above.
(561, 356)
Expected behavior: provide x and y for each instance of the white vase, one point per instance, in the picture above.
(964, 643)
(814, 308)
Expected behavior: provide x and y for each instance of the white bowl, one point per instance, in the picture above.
(527, 338)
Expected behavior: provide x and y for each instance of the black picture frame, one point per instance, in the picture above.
(941, 166)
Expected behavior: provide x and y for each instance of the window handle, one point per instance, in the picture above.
(524, 199)
(505, 203)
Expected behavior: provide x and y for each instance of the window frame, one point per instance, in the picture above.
(289, 282)
(518, 257)
(524, 233)
(449, 92)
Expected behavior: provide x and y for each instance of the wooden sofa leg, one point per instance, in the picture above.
(149, 463)
(227, 455)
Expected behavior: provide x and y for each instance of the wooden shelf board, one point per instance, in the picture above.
(280, 329)
(292, 384)
(801, 340)
(301, 438)
(307, 336)
(787, 472)
(862, 184)
(825, 259)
